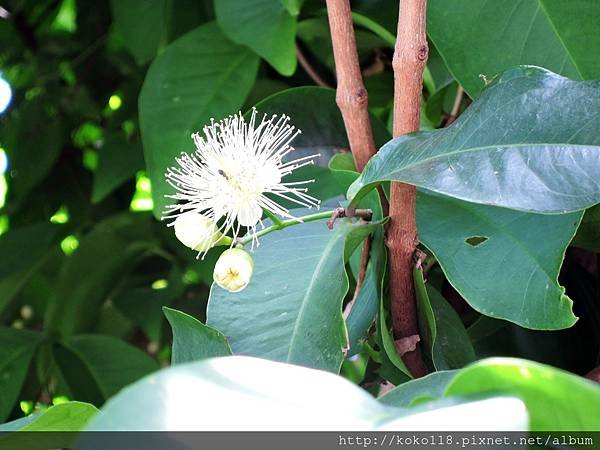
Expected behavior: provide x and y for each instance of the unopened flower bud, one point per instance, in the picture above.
(198, 232)
(233, 270)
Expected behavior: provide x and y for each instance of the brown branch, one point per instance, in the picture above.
(353, 101)
(309, 69)
(594, 375)
(410, 57)
(351, 95)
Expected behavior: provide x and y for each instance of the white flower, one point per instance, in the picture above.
(198, 232)
(233, 168)
(233, 269)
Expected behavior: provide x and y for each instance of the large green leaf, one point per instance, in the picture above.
(556, 400)
(266, 26)
(141, 23)
(16, 350)
(504, 263)
(557, 34)
(95, 367)
(250, 394)
(58, 422)
(297, 318)
(199, 76)
(529, 142)
(192, 340)
(69, 416)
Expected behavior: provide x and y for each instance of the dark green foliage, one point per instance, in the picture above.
(96, 292)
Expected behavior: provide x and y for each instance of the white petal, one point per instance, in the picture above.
(249, 214)
(269, 175)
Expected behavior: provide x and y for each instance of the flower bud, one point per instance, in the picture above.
(198, 232)
(233, 270)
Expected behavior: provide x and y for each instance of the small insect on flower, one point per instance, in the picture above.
(227, 179)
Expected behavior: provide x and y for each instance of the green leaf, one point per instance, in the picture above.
(57, 425)
(517, 146)
(22, 247)
(387, 339)
(504, 263)
(251, 394)
(442, 330)
(588, 233)
(292, 6)
(238, 393)
(556, 400)
(141, 23)
(425, 315)
(297, 318)
(143, 304)
(31, 148)
(192, 340)
(452, 348)
(118, 162)
(314, 111)
(16, 350)
(69, 416)
(555, 34)
(89, 274)
(412, 392)
(96, 367)
(266, 26)
(199, 76)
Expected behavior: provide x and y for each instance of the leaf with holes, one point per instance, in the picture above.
(504, 263)
(529, 143)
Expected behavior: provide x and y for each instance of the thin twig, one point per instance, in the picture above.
(309, 69)
(410, 57)
(353, 101)
(339, 213)
(460, 92)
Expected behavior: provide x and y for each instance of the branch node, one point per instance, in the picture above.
(340, 213)
(423, 52)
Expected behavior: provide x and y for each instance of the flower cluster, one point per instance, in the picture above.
(234, 175)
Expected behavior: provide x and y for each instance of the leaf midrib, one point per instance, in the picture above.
(476, 149)
(324, 255)
(560, 39)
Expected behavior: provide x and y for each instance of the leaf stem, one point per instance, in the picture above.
(281, 224)
(276, 220)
